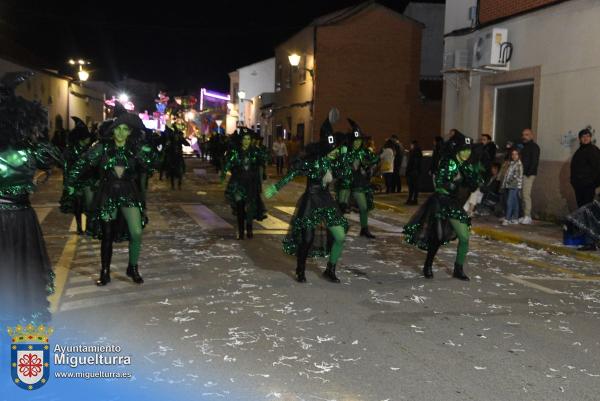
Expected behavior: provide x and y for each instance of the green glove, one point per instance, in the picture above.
(270, 191)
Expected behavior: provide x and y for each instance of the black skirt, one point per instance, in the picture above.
(111, 196)
(26, 277)
(431, 222)
(315, 210)
(245, 185)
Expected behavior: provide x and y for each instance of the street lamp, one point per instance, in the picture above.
(82, 74)
(242, 96)
(294, 60)
(123, 98)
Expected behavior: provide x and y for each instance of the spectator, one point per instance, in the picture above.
(438, 143)
(491, 192)
(488, 153)
(413, 171)
(585, 175)
(530, 157)
(387, 165)
(295, 146)
(398, 157)
(512, 184)
(280, 152)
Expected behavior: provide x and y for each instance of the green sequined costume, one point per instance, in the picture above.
(26, 277)
(245, 183)
(353, 174)
(121, 172)
(315, 207)
(69, 203)
(432, 222)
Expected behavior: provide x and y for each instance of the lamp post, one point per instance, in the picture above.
(294, 60)
(83, 76)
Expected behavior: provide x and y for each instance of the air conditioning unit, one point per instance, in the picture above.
(492, 50)
(456, 60)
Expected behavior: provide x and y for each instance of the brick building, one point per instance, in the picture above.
(546, 84)
(363, 60)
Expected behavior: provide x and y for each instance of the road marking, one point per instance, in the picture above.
(42, 213)
(138, 294)
(73, 227)
(61, 271)
(123, 283)
(376, 223)
(518, 280)
(205, 217)
(394, 207)
(553, 278)
(391, 230)
(273, 223)
(286, 209)
(270, 232)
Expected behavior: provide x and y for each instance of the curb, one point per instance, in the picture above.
(510, 238)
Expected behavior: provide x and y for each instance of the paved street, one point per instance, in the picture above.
(223, 319)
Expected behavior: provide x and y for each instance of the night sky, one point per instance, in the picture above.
(184, 45)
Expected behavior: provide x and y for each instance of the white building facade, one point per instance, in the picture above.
(549, 84)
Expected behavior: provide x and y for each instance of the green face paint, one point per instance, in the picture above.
(120, 134)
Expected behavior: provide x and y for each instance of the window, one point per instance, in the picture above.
(300, 132)
(234, 95)
(278, 77)
(513, 107)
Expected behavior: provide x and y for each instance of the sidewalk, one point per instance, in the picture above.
(539, 235)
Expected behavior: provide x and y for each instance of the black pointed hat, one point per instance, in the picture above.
(356, 132)
(80, 131)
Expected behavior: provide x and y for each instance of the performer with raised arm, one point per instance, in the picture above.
(315, 207)
(442, 218)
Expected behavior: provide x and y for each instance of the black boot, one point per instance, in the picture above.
(364, 232)
(427, 270)
(459, 273)
(300, 269)
(329, 273)
(105, 254)
(249, 233)
(240, 220)
(344, 208)
(431, 252)
(132, 271)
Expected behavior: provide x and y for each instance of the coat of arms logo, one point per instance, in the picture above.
(30, 355)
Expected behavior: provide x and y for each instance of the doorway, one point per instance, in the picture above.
(513, 111)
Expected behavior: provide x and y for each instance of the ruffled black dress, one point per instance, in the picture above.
(431, 222)
(26, 277)
(316, 209)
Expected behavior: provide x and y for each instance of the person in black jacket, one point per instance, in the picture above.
(488, 154)
(530, 157)
(413, 171)
(585, 174)
(398, 156)
(438, 143)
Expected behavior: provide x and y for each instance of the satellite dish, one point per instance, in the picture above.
(334, 115)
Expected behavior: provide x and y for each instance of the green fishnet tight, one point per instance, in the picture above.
(338, 233)
(134, 225)
(361, 201)
(462, 233)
